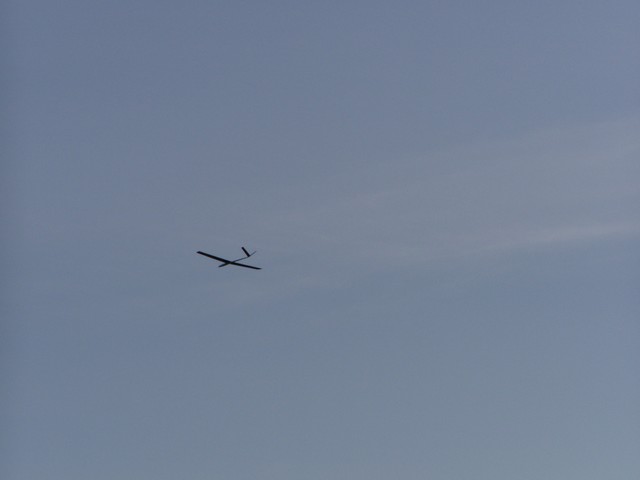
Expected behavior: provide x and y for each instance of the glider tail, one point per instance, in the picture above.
(246, 252)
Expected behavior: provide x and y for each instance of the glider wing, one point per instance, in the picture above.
(242, 265)
(223, 260)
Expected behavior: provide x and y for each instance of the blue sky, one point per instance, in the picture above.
(444, 200)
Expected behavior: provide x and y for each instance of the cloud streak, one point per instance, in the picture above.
(546, 189)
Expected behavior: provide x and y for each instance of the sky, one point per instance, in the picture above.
(444, 200)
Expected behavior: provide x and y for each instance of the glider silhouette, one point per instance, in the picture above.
(224, 262)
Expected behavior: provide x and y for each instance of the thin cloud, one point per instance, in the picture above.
(548, 188)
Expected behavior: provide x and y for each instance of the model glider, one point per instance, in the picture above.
(224, 262)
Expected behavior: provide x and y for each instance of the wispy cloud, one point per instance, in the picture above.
(548, 188)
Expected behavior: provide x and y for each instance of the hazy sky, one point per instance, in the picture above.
(444, 197)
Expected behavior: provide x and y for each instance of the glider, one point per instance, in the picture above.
(224, 262)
